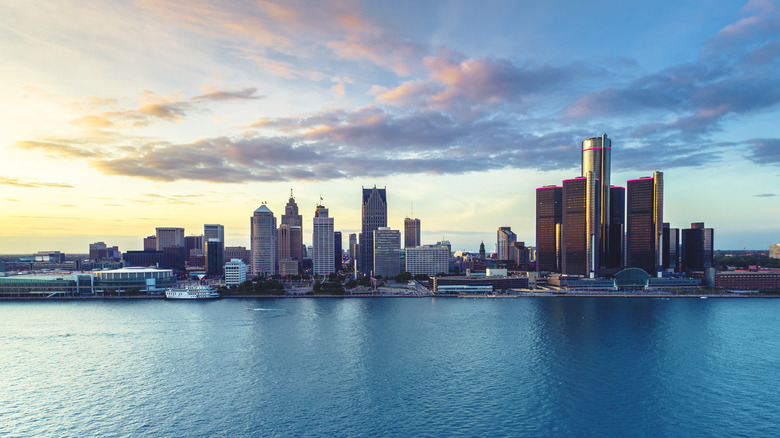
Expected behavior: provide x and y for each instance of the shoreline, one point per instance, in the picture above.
(482, 297)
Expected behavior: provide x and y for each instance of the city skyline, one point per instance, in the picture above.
(121, 118)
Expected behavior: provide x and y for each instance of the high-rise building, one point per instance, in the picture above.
(411, 232)
(374, 216)
(150, 243)
(168, 237)
(322, 242)
(670, 248)
(283, 242)
(597, 158)
(338, 251)
(580, 235)
(295, 222)
(518, 254)
(387, 252)
(549, 216)
(616, 229)
(427, 259)
(644, 223)
(697, 248)
(215, 257)
(505, 237)
(263, 239)
(235, 272)
(194, 243)
(774, 251)
(353, 249)
(482, 250)
(214, 231)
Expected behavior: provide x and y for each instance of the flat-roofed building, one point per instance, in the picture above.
(427, 259)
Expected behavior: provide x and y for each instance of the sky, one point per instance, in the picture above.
(119, 117)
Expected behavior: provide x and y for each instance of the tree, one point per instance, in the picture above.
(403, 277)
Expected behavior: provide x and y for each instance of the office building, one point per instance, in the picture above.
(597, 158)
(194, 245)
(427, 259)
(616, 229)
(215, 257)
(353, 249)
(283, 243)
(214, 231)
(143, 258)
(235, 272)
(387, 252)
(696, 249)
(671, 248)
(168, 237)
(150, 243)
(580, 228)
(374, 216)
(411, 232)
(644, 223)
(518, 255)
(338, 251)
(774, 251)
(322, 242)
(294, 220)
(549, 216)
(239, 252)
(174, 257)
(505, 237)
(263, 241)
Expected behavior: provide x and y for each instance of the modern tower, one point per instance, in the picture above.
(580, 235)
(374, 215)
(644, 223)
(263, 239)
(549, 217)
(215, 257)
(505, 237)
(387, 252)
(338, 250)
(697, 247)
(597, 158)
(322, 242)
(616, 229)
(411, 232)
(671, 248)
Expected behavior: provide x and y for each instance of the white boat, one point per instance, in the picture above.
(192, 292)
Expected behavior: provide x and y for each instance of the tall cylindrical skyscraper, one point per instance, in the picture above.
(597, 158)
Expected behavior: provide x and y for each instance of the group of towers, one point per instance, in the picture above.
(589, 227)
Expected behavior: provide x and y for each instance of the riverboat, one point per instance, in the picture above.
(192, 292)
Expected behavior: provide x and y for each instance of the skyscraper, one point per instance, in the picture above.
(338, 251)
(374, 215)
(215, 257)
(549, 217)
(411, 232)
(322, 242)
(168, 237)
(481, 251)
(617, 228)
(505, 237)
(263, 240)
(644, 223)
(283, 246)
(214, 231)
(697, 247)
(580, 235)
(597, 158)
(387, 252)
(671, 248)
(295, 222)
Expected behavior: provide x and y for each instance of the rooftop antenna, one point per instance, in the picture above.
(291, 195)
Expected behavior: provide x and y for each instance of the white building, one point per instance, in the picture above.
(263, 239)
(427, 259)
(235, 272)
(323, 250)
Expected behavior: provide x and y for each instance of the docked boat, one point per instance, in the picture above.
(192, 292)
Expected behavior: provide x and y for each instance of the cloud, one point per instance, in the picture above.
(16, 182)
(765, 195)
(764, 151)
(57, 148)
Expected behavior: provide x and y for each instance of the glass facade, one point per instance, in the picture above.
(644, 228)
(580, 226)
(548, 226)
(374, 215)
(597, 158)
